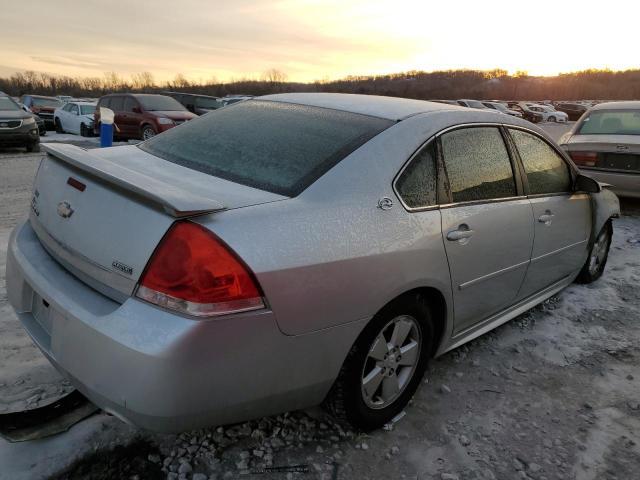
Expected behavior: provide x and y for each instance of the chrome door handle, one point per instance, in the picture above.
(546, 218)
(459, 234)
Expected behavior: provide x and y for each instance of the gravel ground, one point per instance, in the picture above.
(553, 394)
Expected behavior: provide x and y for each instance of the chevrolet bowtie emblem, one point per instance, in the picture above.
(65, 210)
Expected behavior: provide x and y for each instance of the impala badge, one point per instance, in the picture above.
(65, 210)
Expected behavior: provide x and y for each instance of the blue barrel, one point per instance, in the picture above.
(106, 134)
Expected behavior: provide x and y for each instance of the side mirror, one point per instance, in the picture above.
(136, 110)
(586, 184)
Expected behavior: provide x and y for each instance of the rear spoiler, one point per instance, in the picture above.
(177, 202)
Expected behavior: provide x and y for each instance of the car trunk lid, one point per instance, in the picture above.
(607, 152)
(101, 213)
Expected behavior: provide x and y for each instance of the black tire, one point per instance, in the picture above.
(84, 131)
(551, 119)
(345, 400)
(33, 147)
(59, 126)
(597, 259)
(147, 132)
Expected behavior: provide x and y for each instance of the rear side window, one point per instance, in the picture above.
(273, 146)
(416, 185)
(546, 171)
(477, 164)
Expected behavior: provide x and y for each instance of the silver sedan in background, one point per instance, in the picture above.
(605, 144)
(295, 249)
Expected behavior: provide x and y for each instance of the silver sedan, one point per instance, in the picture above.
(605, 144)
(293, 250)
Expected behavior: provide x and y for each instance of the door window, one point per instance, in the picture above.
(129, 103)
(117, 103)
(417, 183)
(74, 110)
(477, 164)
(546, 171)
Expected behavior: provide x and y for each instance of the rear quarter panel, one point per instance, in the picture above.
(330, 256)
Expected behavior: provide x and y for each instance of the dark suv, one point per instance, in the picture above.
(42, 106)
(198, 104)
(141, 116)
(17, 127)
(574, 110)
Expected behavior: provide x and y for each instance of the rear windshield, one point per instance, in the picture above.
(160, 102)
(279, 147)
(46, 102)
(8, 104)
(611, 122)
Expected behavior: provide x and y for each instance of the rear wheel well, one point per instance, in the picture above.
(438, 305)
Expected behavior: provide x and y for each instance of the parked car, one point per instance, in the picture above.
(65, 98)
(605, 144)
(198, 104)
(472, 104)
(307, 252)
(75, 117)
(548, 113)
(42, 106)
(142, 116)
(42, 128)
(231, 99)
(448, 102)
(17, 127)
(502, 108)
(573, 110)
(527, 113)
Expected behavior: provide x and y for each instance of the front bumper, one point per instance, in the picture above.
(19, 137)
(159, 370)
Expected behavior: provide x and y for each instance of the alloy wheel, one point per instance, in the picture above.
(391, 362)
(598, 252)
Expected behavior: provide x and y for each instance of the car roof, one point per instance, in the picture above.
(391, 108)
(630, 105)
(168, 94)
(83, 103)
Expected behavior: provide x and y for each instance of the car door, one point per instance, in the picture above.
(116, 104)
(130, 118)
(486, 226)
(73, 119)
(561, 217)
(62, 115)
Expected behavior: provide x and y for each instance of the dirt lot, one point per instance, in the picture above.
(553, 394)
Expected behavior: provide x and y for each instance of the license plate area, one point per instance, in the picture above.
(42, 312)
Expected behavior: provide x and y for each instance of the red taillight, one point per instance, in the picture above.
(193, 272)
(584, 159)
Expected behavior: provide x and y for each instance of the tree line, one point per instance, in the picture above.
(450, 84)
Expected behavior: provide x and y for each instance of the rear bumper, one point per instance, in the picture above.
(161, 371)
(623, 184)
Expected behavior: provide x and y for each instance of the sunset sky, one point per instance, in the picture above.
(313, 40)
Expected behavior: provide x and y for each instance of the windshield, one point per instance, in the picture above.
(159, 102)
(611, 122)
(87, 109)
(46, 102)
(210, 103)
(7, 104)
(499, 106)
(279, 147)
